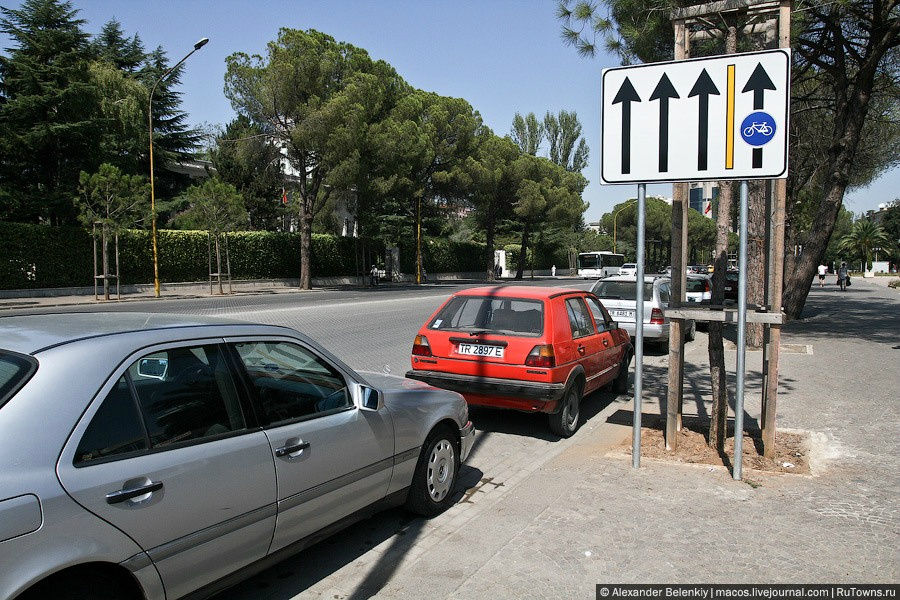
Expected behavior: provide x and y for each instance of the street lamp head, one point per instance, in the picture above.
(201, 43)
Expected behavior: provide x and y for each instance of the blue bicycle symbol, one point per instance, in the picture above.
(758, 128)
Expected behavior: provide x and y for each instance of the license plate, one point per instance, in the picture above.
(622, 313)
(481, 350)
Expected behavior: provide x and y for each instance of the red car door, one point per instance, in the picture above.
(610, 353)
(586, 341)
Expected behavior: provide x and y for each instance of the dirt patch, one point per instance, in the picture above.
(791, 448)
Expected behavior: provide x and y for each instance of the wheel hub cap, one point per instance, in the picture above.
(441, 467)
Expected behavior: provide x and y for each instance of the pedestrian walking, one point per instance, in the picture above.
(822, 270)
(843, 276)
(374, 275)
(553, 271)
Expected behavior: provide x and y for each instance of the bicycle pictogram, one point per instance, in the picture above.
(763, 128)
(758, 128)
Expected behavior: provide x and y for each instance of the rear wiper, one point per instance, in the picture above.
(479, 332)
(612, 297)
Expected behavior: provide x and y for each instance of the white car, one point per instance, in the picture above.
(699, 289)
(618, 294)
(629, 269)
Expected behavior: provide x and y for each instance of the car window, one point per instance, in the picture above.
(186, 394)
(15, 369)
(511, 316)
(115, 430)
(696, 285)
(621, 290)
(292, 382)
(664, 292)
(578, 318)
(601, 318)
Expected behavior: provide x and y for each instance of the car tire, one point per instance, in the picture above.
(564, 422)
(620, 383)
(434, 480)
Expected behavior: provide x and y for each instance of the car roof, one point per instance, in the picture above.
(647, 278)
(518, 291)
(33, 333)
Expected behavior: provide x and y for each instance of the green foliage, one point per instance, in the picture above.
(114, 200)
(443, 256)
(37, 256)
(214, 206)
(527, 133)
(862, 240)
(563, 132)
(514, 252)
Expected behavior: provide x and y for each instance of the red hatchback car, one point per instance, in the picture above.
(532, 349)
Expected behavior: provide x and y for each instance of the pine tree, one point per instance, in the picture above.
(47, 111)
(126, 54)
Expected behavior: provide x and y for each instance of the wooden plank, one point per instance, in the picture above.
(727, 315)
(722, 6)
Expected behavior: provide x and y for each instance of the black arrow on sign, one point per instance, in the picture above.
(626, 95)
(758, 83)
(663, 92)
(704, 87)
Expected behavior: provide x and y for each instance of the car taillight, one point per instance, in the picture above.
(656, 317)
(421, 347)
(541, 356)
(706, 287)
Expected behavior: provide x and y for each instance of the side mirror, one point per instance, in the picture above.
(369, 398)
(155, 368)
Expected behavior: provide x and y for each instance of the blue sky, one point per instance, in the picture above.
(503, 56)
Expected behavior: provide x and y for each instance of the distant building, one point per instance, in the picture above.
(703, 197)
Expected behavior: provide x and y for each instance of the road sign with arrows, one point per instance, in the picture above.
(694, 120)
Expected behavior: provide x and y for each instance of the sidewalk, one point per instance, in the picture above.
(583, 516)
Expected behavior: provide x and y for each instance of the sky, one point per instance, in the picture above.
(502, 56)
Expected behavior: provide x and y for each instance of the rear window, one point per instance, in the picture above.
(510, 316)
(696, 285)
(622, 290)
(15, 369)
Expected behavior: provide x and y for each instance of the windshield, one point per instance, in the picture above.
(589, 261)
(15, 369)
(622, 290)
(477, 314)
(697, 285)
(629, 266)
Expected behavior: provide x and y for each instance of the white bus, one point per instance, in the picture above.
(599, 264)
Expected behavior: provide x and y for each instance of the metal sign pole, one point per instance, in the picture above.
(639, 328)
(741, 335)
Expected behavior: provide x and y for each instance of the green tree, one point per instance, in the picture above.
(862, 240)
(296, 92)
(47, 111)
(527, 132)
(114, 201)
(217, 207)
(423, 146)
(244, 157)
(495, 183)
(124, 53)
(567, 148)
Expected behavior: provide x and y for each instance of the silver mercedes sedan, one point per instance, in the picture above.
(153, 457)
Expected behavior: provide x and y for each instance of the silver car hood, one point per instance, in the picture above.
(412, 396)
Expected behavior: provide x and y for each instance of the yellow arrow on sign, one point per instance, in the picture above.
(729, 121)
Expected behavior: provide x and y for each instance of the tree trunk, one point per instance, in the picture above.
(717, 373)
(523, 252)
(756, 255)
(305, 237)
(219, 265)
(489, 252)
(105, 263)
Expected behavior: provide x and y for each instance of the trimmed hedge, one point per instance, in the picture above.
(443, 256)
(38, 256)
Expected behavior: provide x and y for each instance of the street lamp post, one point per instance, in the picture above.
(202, 42)
(616, 216)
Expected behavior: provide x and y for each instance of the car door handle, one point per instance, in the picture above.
(580, 349)
(285, 450)
(605, 342)
(123, 495)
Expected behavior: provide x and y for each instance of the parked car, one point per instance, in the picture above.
(628, 269)
(619, 295)
(698, 289)
(153, 457)
(531, 349)
(731, 286)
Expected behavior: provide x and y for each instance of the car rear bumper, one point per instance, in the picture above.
(491, 386)
(466, 440)
(652, 331)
